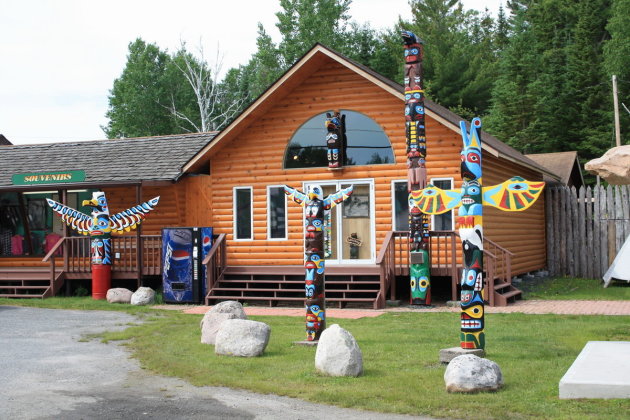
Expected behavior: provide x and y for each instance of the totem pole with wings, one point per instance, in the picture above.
(316, 207)
(100, 226)
(515, 194)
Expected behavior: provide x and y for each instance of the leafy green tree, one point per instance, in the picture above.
(137, 97)
(617, 58)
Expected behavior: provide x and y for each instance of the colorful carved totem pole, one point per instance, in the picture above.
(315, 208)
(336, 139)
(100, 226)
(419, 264)
(516, 194)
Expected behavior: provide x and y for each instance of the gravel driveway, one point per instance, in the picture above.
(48, 370)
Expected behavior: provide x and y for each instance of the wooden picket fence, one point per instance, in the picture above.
(585, 228)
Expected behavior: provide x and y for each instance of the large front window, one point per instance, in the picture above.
(367, 143)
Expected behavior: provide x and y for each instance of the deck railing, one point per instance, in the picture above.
(125, 257)
(215, 262)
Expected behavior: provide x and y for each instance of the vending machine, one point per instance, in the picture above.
(183, 275)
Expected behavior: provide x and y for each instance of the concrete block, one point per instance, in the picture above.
(446, 355)
(601, 370)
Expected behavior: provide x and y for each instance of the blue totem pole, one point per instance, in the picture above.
(516, 194)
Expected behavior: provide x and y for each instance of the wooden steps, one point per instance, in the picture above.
(505, 293)
(25, 282)
(358, 285)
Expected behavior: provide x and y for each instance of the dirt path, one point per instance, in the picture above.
(48, 370)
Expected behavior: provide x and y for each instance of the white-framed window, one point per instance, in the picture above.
(243, 215)
(400, 205)
(276, 213)
(444, 221)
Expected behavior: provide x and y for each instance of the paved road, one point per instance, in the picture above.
(48, 370)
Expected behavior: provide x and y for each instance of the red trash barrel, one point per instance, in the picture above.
(101, 280)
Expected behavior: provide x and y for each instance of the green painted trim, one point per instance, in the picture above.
(57, 177)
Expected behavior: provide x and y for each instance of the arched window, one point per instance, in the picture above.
(367, 143)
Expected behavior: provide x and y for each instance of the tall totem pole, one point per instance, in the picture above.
(316, 208)
(419, 264)
(515, 194)
(100, 225)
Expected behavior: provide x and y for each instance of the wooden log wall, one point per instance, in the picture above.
(586, 228)
(255, 159)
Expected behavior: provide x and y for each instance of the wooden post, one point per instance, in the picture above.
(139, 240)
(589, 250)
(549, 230)
(616, 106)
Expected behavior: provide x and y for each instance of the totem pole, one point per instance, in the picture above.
(315, 208)
(100, 226)
(336, 139)
(516, 194)
(419, 264)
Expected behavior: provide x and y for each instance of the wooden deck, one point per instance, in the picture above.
(366, 284)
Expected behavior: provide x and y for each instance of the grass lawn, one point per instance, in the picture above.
(400, 352)
(569, 288)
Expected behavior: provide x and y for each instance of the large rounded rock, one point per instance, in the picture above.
(338, 353)
(143, 296)
(227, 307)
(213, 319)
(242, 337)
(119, 295)
(469, 373)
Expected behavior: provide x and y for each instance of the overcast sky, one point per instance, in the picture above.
(59, 58)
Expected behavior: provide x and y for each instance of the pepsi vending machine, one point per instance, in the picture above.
(183, 275)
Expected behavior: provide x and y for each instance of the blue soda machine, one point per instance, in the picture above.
(183, 275)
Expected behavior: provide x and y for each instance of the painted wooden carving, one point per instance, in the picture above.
(516, 194)
(100, 226)
(419, 264)
(336, 139)
(316, 208)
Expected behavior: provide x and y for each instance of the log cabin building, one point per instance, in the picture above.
(233, 181)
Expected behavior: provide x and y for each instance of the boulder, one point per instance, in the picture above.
(469, 373)
(614, 166)
(211, 323)
(338, 353)
(227, 307)
(143, 296)
(242, 337)
(213, 319)
(119, 295)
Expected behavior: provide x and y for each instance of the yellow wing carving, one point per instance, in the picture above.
(515, 194)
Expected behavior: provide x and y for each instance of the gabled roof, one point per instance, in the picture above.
(4, 141)
(120, 160)
(306, 66)
(565, 165)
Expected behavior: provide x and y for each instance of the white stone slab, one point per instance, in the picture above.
(601, 370)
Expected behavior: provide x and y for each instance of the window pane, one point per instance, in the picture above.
(277, 213)
(243, 213)
(367, 143)
(401, 206)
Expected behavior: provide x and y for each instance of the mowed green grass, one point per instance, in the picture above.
(569, 288)
(400, 355)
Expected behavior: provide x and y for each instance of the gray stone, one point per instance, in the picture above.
(446, 355)
(601, 370)
(338, 353)
(469, 373)
(143, 296)
(614, 166)
(453, 303)
(213, 319)
(211, 323)
(242, 337)
(229, 306)
(119, 295)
